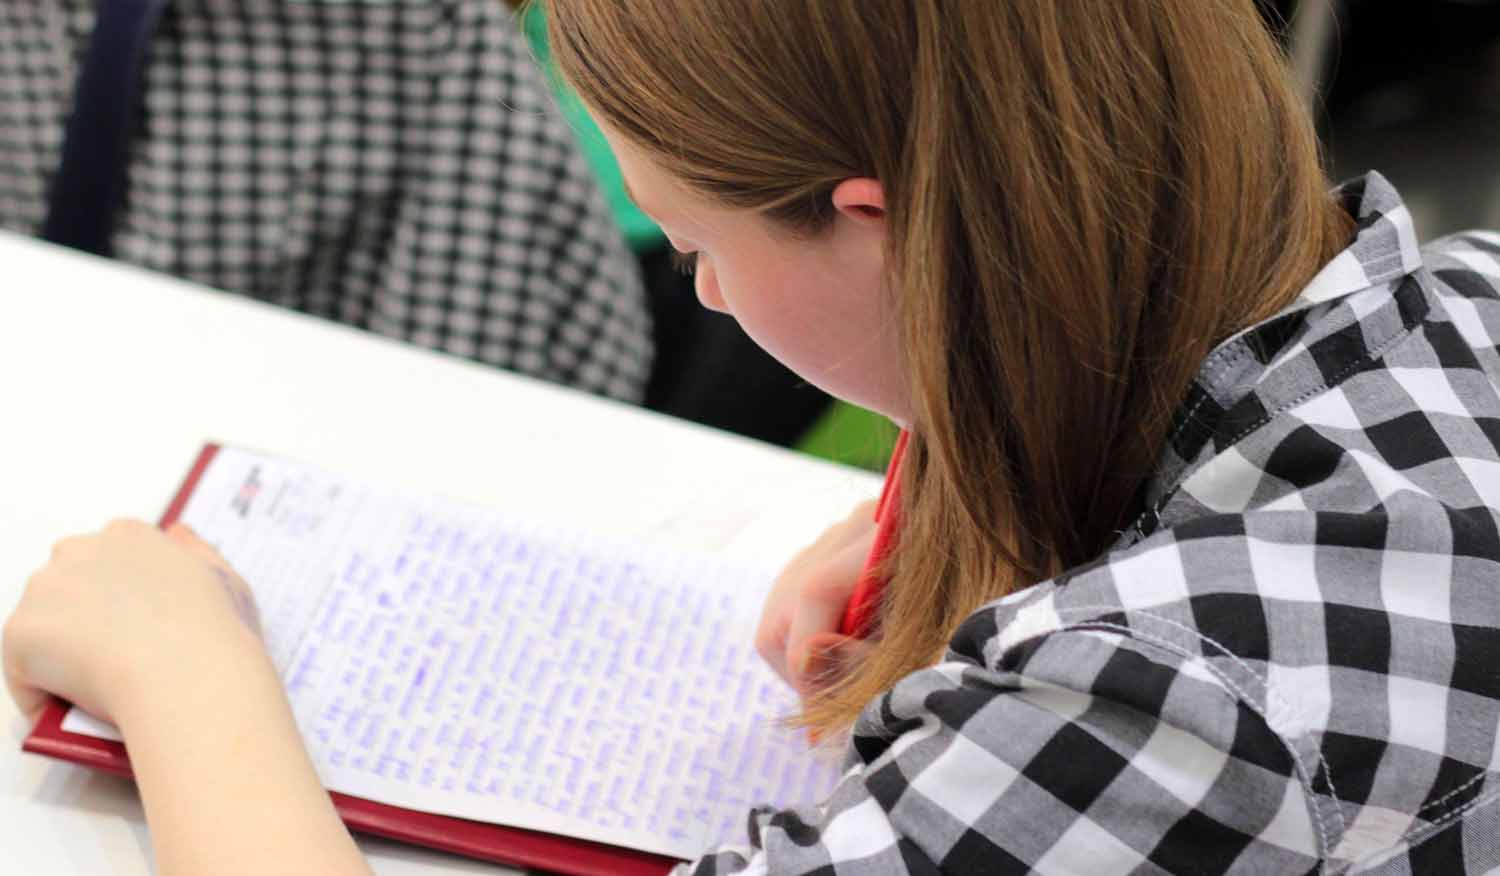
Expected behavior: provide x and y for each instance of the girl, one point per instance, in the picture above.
(1195, 528)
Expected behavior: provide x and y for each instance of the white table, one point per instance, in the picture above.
(112, 377)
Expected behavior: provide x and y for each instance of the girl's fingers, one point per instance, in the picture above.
(234, 586)
(824, 598)
(810, 594)
(861, 521)
(829, 656)
(184, 535)
(93, 623)
(29, 700)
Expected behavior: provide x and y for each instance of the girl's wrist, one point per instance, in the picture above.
(190, 682)
(221, 766)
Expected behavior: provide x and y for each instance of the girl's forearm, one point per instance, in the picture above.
(228, 787)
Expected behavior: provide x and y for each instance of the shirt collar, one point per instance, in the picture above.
(1242, 380)
(1385, 245)
(1384, 249)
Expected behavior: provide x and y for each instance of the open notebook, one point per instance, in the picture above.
(481, 682)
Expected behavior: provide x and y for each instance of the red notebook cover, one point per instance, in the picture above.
(474, 839)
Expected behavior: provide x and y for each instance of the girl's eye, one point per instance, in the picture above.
(684, 262)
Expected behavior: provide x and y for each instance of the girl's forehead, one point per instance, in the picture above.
(647, 184)
(662, 195)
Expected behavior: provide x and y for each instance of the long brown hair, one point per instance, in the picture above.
(1083, 197)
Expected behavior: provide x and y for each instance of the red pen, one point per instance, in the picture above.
(864, 602)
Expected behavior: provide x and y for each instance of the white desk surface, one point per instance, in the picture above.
(112, 377)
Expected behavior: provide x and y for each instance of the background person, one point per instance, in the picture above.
(399, 167)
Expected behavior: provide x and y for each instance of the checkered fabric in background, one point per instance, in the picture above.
(1291, 665)
(392, 164)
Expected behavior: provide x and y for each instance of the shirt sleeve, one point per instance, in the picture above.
(1087, 750)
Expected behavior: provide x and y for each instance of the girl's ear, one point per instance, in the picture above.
(861, 199)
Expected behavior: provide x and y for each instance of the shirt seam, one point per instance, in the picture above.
(1417, 836)
(1236, 692)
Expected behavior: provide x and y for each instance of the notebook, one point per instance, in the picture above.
(492, 684)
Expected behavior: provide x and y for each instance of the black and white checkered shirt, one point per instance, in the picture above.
(1292, 665)
(396, 165)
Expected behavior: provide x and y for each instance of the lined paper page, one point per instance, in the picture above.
(485, 665)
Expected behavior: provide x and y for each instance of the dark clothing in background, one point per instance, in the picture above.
(395, 166)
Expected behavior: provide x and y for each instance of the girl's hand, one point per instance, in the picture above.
(799, 626)
(115, 617)
(152, 631)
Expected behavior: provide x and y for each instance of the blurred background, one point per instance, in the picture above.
(1410, 88)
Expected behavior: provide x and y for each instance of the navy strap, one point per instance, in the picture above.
(90, 180)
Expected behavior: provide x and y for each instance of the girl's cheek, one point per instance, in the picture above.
(706, 284)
